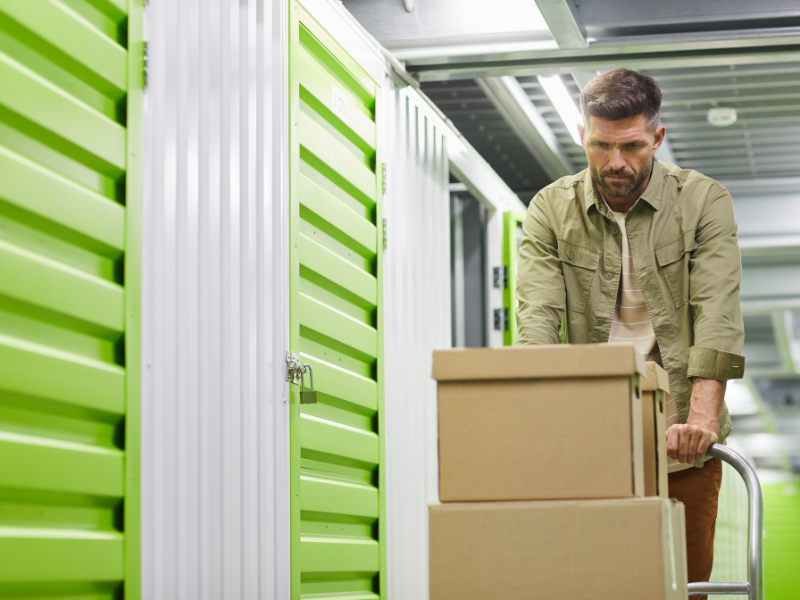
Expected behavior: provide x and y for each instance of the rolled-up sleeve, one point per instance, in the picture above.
(541, 296)
(715, 273)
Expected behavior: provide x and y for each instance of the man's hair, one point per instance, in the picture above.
(622, 94)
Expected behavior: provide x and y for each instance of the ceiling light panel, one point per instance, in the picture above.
(559, 95)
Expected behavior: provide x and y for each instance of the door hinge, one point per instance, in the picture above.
(501, 319)
(384, 234)
(383, 177)
(144, 65)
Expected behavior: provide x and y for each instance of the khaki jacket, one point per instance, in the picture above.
(685, 250)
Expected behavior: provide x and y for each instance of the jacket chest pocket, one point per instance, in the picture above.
(578, 265)
(673, 261)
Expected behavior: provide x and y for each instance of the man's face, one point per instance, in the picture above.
(620, 153)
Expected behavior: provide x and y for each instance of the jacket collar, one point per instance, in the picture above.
(651, 195)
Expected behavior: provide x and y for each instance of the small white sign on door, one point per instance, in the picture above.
(341, 104)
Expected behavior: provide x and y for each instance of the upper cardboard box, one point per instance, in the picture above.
(540, 422)
(538, 362)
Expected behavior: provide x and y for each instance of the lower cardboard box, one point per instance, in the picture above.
(575, 549)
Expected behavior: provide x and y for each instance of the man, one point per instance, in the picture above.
(636, 250)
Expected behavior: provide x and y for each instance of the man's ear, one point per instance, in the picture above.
(581, 133)
(661, 131)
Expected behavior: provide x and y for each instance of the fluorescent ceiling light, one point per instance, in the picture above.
(559, 95)
(740, 399)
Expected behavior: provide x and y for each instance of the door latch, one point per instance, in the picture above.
(295, 373)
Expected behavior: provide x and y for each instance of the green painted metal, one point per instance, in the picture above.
(782, 541)
(70, 152)
(512, 236)
(336, 320)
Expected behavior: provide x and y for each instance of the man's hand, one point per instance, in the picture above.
(688, 443)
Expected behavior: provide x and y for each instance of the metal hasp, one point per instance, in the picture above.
(293, 367)
(753, 589)
(295, 373)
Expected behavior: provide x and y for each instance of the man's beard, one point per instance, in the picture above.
(621, 189)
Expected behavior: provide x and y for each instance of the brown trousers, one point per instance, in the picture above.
(698, 489)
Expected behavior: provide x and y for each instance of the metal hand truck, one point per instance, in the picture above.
(754, 587)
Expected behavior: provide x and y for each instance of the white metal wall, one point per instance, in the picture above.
(417, 307)
(215, 511)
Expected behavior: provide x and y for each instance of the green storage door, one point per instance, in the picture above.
(337, 529)
(782, 541)
(512, 238)
(68, 370)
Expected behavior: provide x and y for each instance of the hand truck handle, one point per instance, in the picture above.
(753, 588)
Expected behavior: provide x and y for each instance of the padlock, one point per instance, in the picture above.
(307, 397)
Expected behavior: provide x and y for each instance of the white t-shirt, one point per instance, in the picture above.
(632, 323)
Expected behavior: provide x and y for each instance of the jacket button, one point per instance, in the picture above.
(615, 231)
(609, 276)
(570, 255)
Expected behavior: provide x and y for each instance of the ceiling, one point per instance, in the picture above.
(481, 65)
(466, 105)
(763, 141)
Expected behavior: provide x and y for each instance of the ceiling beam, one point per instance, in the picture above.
(646, 52)
(564, 22)
(513, 103)
(438, 55)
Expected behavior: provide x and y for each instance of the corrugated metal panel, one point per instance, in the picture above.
(68, 257)
(417, 301)
(336, 316)
(215, 427)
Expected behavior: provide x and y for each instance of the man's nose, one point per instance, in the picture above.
(617, 161)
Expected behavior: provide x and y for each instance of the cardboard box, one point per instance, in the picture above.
(655, 390)
(577, 550)
(540, 422)
(679, 542)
